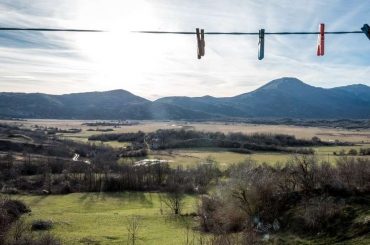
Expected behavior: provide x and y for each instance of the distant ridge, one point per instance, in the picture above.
(281, 98)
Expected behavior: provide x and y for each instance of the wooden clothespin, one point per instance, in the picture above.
(321, 40)
(366, 30)
(201, 43)
(261, 44)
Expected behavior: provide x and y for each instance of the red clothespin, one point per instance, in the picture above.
(321, 41)
(201, 43)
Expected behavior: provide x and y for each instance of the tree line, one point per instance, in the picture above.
(244, 143)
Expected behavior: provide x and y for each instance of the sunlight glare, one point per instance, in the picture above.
(118, 54)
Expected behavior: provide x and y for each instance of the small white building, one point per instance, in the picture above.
(150, 162)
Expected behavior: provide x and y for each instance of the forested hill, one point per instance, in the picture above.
(280, 98)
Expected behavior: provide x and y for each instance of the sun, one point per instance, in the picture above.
(116, 56)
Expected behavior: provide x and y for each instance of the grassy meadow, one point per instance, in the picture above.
(193, 156)
(102, 218)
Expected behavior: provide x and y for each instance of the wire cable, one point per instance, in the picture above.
(175, 32)
(47, 29)
(246, 33)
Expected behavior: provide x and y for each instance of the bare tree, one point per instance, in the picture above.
(133, 228)
(174, 201)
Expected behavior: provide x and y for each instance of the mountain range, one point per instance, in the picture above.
(281, 98)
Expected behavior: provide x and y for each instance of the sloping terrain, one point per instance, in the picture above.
(280, 98)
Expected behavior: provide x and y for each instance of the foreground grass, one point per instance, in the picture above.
(92, 218)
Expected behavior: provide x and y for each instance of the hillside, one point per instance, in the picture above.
(116, 104)
(286, 98)
(280, 98)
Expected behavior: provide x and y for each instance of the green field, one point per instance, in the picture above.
(94, 218)
(191, 157)
(327, 134)
(102, 218)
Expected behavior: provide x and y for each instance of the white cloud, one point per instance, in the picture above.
(163, 65)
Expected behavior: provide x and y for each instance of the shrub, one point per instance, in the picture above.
(28, 239)
(42, 225)
(318, 213)
(14, 208)
(352, 152)
(10, 211)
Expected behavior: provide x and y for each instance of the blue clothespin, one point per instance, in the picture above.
(261, 44)
(366, 30)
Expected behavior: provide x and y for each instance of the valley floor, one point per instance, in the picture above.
(96, 218)
(102, 218)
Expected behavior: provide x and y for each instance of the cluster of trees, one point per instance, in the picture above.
(137, 148)
(172, 138)
(39, 142)
(110, 123)
(57, 148)
(103, 173)
(120, 137)
(354, 152)
(302, 196)
(52, 130)
(101, 129)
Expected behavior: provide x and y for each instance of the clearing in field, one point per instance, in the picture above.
(97, 218)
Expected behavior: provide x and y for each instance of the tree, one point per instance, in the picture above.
(352, 152)
(133, 228)
(174, 200)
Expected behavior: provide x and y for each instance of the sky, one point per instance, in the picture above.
(154, 66)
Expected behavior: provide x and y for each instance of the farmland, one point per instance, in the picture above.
(326, 134)
(98, 197)
(189, 157)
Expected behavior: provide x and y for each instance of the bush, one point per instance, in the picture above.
(65, 188)
(14, 208)
(304, 188)
(318, 213)
(10, 211)
(28, 239)
(352, 152)
(41, 225)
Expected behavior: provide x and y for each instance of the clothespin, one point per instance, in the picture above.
(201, 43)
(321, 40)
(366, 30)
(261, 44)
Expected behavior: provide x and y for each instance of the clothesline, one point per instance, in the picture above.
(174, 32)
(245, 33)
(200, 35)
(47, 29)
